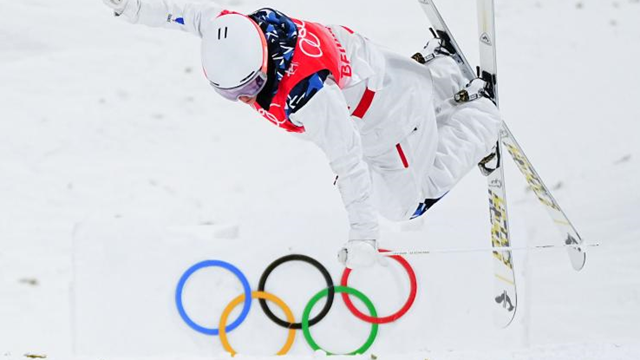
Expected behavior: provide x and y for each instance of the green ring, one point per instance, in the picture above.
(339, 289)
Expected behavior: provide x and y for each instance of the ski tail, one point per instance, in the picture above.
(504, 284)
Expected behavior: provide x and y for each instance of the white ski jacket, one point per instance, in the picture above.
(403, 103)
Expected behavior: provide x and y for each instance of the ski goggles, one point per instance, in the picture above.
(249, 89)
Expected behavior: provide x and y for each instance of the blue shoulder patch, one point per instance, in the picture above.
(180, 21)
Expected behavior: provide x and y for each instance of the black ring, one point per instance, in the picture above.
(308, 260)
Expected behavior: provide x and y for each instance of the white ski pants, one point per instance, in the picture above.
(405, 176)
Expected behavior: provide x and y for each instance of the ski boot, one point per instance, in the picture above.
(434, 48)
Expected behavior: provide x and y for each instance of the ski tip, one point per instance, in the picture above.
(577, 250)
(578, 262)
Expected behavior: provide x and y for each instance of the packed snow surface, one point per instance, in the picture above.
(121, 168)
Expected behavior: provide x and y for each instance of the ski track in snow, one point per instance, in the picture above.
(121, 168)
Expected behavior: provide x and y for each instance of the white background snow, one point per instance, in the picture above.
(120, 168)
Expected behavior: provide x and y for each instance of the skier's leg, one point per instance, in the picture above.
(437, 159)
(466, 134)
(409, 179)
(396, 184)
(399, 174)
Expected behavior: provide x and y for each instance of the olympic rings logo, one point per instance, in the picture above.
(310, 47)
(289, 323)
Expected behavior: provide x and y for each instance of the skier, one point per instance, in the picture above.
(389, 126)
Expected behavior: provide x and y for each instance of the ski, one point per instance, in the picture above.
(503, 260)
(505, 279)
(505, 294)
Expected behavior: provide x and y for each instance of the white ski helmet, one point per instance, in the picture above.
(235, 56)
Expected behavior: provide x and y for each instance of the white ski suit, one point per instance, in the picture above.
(412, 144)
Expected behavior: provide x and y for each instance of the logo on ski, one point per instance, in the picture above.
(536, 184)
(486, 39)
(499, 229)
(505, 301)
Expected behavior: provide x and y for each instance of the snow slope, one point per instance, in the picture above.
(121, 168)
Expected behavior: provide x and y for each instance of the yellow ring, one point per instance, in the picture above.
(256, 295)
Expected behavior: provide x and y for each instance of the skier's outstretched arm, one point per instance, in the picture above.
(328, 124)
(189, 17)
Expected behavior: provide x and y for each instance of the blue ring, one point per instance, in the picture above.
(213, 263)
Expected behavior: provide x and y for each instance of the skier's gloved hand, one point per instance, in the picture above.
(358, 254)
(122, 7)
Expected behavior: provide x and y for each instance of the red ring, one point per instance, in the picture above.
(392, 317)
